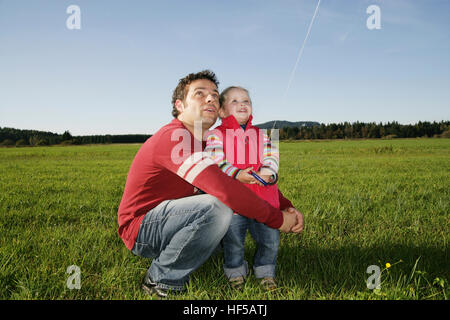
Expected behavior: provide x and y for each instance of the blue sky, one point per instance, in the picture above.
(116, 74)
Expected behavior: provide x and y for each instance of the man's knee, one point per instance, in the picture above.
(219, 214)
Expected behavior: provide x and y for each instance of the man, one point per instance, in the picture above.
(162, 216)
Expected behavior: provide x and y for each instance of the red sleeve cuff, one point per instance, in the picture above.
(284, 202)
(275, 219)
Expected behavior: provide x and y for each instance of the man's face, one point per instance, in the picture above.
(201, 104)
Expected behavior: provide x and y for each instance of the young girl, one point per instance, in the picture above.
(238, 148)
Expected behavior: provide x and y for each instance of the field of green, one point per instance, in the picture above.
(368, 202)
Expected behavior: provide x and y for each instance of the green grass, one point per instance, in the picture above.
(365, 203)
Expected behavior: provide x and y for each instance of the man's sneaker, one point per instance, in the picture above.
(153, 288)
(237, 283)
(268, 283)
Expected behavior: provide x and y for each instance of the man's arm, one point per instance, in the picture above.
(284, 202)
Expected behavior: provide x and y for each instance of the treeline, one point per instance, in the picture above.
(123, 138)
(346, 130)
(17, 137)
(371, 130)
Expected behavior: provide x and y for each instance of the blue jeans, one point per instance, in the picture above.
(267, 240)
(180, 235)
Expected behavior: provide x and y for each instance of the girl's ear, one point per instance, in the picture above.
(221, 113)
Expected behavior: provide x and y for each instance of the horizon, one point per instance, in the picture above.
(112, 69)
(258, 124)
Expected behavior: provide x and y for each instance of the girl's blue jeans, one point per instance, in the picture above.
(267, 240)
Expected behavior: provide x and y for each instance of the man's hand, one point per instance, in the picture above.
(245, 177)
(300, 220)
(289, 221)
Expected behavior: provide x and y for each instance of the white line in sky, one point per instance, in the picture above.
(299, 56)
(301, 50)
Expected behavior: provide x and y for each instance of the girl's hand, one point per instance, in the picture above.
(245, 177)
(266, 177)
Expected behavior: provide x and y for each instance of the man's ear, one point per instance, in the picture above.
(179, 105)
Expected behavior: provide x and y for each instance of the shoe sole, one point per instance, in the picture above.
(152, 291)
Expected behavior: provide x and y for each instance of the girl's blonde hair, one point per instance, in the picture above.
(223, 95)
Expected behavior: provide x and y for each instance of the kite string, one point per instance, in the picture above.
(299, 56)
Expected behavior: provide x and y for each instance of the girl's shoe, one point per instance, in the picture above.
(268, 283)
(237, 283)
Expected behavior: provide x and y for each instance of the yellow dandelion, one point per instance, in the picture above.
(388, 265)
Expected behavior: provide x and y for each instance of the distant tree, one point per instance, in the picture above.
(338, 134)
(21, 143)
(348, 130)
(382, 132)
(445, 134)
(373, 131)
(364, 131)
(66, 142)
(307, 135)
(283, 133)
(8, 142)
(42, 142)
(33, 140)
(66, 136)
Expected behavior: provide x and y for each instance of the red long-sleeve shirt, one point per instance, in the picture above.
(172, 165)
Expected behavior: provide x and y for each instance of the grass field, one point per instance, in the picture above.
(367, 202)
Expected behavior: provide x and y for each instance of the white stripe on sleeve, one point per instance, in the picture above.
(198, 168)
(190, 161)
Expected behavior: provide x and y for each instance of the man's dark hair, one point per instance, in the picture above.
(183, 86)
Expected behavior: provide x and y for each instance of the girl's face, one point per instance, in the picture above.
(237, 104)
